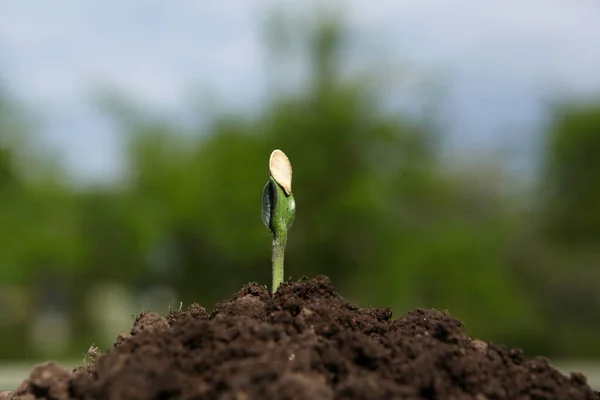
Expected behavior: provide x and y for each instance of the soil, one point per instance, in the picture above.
(305, 343)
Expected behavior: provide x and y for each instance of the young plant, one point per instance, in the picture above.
(278, 209)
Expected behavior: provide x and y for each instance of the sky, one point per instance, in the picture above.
(501, 60)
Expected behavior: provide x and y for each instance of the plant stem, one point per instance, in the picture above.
(279, 241)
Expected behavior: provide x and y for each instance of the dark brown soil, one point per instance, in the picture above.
(306, 343)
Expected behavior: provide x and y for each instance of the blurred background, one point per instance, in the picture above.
(445, 154)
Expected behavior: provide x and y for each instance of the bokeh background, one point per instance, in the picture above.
(445, 154)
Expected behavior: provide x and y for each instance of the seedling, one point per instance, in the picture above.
(278, 209)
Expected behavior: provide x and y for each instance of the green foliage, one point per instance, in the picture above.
(379, 213)
(382, 214)
(571, 206)
(567, 227)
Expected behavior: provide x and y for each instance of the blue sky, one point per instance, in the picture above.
(501, 59)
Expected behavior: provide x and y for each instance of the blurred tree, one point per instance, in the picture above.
(38, 229)
(377, 211)
(565, 267)
(571, 175)
(8, 173)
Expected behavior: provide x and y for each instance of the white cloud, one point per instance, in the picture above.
(504, 56)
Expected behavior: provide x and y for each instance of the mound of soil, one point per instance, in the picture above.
(305, 343)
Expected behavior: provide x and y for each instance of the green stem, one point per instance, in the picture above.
(279, 241)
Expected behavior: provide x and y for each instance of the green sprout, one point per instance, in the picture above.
(278, 209)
